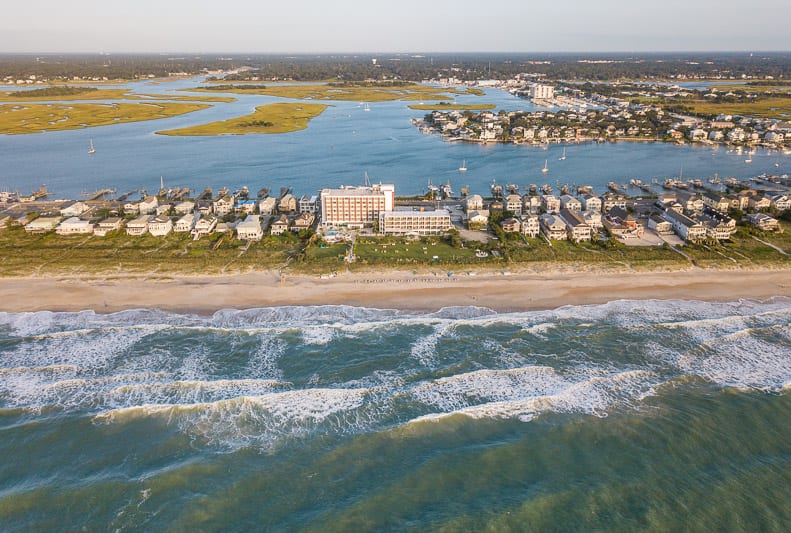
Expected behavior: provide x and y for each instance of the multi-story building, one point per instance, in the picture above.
(553, 227)
(356, 206)
(685, 227)
(250, 229)
(542, 92)
(402, 222)
(530, 225)
(575, 225)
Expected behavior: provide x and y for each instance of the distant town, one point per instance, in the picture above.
(581, 116)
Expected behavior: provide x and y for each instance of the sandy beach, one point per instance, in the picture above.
(500, 291)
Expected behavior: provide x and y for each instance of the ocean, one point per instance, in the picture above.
(648, 415)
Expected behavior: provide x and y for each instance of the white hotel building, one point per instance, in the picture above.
(542, 92)
(356, 207)
(409, 221)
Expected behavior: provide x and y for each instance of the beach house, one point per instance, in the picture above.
(685, 227)
(513, 203)
(287, 204)
(74, 226)
(250, 229)
(42, 224)
(763, 222)
(224, 205)
(204, 226)
(148, 205)
(73, 209)
(530, 225)
(160, 226)
(578, 230)
(591, 202)
(139, 226)
(474, 202)
(511, 225)
(267, 206)
(569, 202)
(279, 226)
(553, 227)
(185, 223)
(107, 225)
(303, 221)
(550, 203)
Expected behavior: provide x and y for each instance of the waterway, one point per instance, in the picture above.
(337, 148)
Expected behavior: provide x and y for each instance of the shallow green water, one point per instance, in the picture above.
(629, 416)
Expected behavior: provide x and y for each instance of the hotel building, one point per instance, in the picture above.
(355, 207)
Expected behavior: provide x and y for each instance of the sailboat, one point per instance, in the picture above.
(563, 157)
(91, 150)
(463, 167)
(546, 168)
(366, 108)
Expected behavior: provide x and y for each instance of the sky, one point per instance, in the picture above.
(348, 26)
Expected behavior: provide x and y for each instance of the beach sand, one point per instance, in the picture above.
(517, 291)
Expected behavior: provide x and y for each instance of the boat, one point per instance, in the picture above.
(613, 186)
(447, 192)
(366, 108)
(563, 157)
(91, 150)
(463, 167)
(546, 188)
(749, 159)
(546, 168)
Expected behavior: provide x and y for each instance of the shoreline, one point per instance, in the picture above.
(392, 289)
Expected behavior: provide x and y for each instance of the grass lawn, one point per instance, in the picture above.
(271, 118)
(35, 118)
(353, 93)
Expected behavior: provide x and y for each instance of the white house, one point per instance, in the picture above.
(148, 205)
(591, 202)
(160, 226)
(204, 226)
(474, 203)
(530, 225)
(185, 223)
(182, 208)
(553, 227)
(42, 224)
(267, 206)
(138, 226)
(74, 226)
(250, 229)
(550, 203)
(477, 218)
(107, 225)
(569, 202)
(513, 203)
(73, 209)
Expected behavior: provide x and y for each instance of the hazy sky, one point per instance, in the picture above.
(393, 25)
